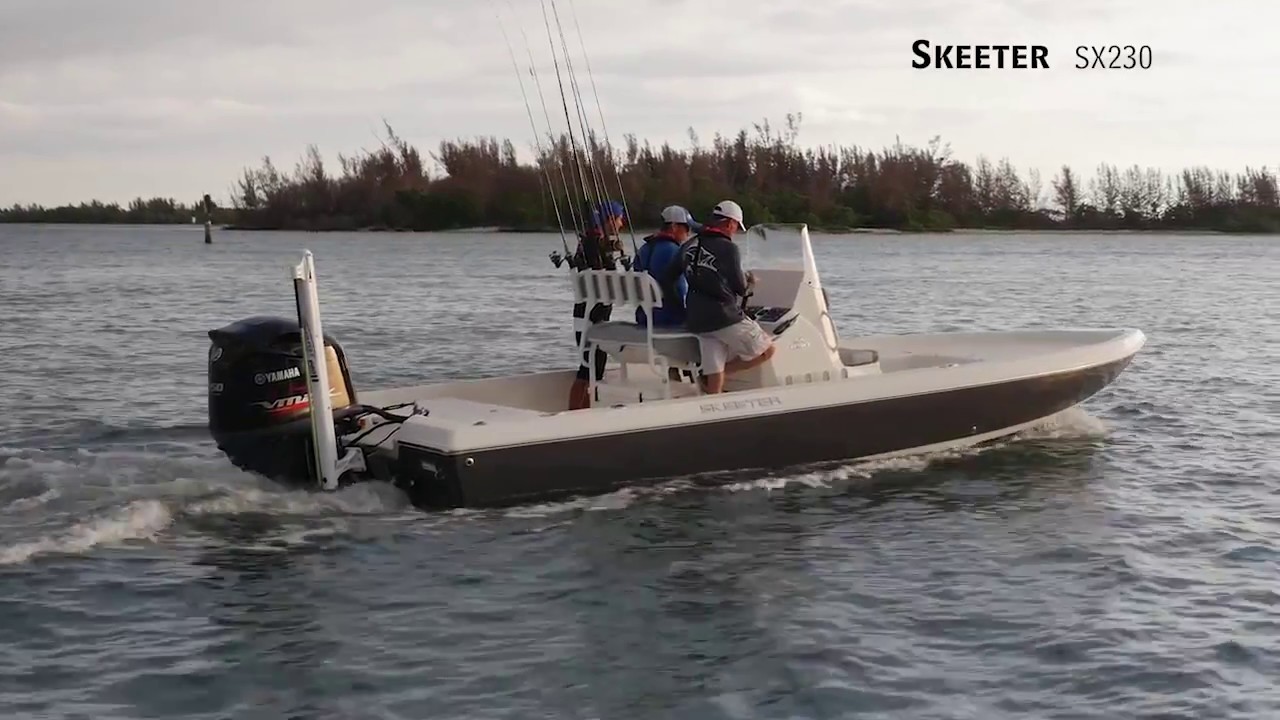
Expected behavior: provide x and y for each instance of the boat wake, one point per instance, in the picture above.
(139, 520)
(72, 502)
(281, 520)
(59, 503)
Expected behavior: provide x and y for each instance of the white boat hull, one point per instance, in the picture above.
(509, 440)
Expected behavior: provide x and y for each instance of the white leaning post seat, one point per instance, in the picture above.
(664, 347)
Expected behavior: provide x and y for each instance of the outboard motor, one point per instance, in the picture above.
(259, 404)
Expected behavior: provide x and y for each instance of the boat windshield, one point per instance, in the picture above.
(773, 247)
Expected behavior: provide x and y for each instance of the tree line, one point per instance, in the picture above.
(480, 182)
(155, 211)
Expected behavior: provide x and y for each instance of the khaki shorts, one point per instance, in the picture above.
(744, 340)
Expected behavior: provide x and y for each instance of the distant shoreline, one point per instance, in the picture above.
(481, 185)
(497, 230)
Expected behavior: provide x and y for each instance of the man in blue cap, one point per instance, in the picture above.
(660, 250)
(598, 248)
(600, 243)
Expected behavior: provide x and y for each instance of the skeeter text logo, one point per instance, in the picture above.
(1026, 57)
(979, 57)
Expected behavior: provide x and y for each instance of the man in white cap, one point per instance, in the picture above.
(712, 266)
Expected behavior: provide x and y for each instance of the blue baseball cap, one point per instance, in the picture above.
(608, 208)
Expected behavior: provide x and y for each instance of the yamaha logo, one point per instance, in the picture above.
(277, 376)
(215, 353)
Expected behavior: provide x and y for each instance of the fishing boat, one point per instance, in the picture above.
(282, 404)
(277, 409)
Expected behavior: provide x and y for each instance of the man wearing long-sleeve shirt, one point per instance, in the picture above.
(712, 266)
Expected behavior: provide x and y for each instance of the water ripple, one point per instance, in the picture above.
(1116, 562)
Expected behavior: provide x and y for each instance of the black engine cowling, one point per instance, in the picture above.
(259, 402)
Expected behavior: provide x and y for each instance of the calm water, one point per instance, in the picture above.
(1121, 562)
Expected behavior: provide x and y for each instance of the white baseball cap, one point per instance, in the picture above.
(677, 214)
(731, 210)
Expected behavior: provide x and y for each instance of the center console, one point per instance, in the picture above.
(774, 320)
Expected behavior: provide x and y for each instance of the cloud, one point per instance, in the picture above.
(38, 32)
(113, 100)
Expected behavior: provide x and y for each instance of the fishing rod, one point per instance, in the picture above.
(573, 142)
(622, 194)
(588, 137)
(551, 154)
(589, 178)
(552, 141)
(533, 126)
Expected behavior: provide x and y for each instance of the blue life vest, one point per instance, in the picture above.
(655, 255)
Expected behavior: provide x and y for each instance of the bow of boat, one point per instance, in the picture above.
(1010, 352)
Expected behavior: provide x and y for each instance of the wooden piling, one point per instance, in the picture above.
(208, 220)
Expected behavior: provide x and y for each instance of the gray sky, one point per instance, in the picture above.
(113, 99)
